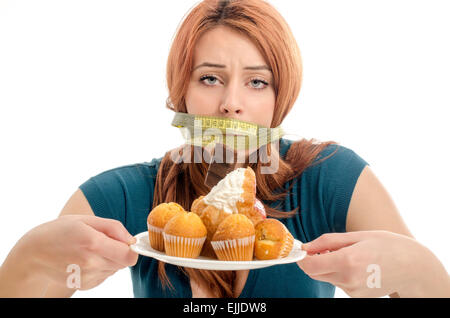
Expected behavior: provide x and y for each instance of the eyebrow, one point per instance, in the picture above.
(253, 68)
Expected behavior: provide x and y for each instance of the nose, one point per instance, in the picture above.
(230, 110)
(231, 103)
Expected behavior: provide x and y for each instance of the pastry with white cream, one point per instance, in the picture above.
(236, 193)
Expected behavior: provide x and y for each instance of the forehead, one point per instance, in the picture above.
(224, 45)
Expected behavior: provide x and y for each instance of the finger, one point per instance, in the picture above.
(112, 228)
(332, 242)
(113, 250)
(322, 264)
(315, 252)
(118, 252)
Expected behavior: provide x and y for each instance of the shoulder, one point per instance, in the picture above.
(126, 179)
(336, 166)
(146, 168)
(114, 192)
(328, 181)
(338, 156)
(332, 156)
(332, 177)
(137, 173)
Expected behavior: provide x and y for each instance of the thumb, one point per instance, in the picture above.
(112, 228)
(332, 242)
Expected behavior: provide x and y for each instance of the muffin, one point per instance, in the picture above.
(235, 193)
(157, 220)
(234, 239)
(184, 235)
(272, 240)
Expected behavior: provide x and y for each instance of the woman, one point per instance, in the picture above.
(235, 59)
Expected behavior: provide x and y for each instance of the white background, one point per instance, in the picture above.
(82, 90)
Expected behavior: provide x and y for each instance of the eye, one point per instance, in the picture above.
(256, 83)
(209, 78)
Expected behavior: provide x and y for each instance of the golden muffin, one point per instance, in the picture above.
(157, 220)
(234, 239)
(184, 235)
(235, 193)
(272, 240)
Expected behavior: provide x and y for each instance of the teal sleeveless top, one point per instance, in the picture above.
(323, 192)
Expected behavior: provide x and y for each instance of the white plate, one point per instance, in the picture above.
(142, 246)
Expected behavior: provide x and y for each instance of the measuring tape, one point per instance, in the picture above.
(237, 134)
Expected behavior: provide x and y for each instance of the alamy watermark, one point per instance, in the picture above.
(374, 279)
(73, 281)
(221, 149)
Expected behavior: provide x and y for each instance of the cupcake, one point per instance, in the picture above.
(273, 240)
(184, 235)
(234, 239)
(157, 220)
(235, 193)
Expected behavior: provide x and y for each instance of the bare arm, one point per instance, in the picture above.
(377, 241)
(37, 264)
(77, 204)
(372, 208)
(17, 277)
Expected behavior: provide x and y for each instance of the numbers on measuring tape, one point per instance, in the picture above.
(231, 132)
(224, 124)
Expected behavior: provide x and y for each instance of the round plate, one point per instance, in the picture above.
(142, 246)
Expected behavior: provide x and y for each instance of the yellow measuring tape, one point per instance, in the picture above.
(236, 134)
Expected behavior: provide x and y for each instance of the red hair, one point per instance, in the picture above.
(184, 182)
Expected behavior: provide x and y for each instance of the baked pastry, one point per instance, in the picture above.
(156, 221)
(234, 239)
(184, 235)
(272, 240)
(235, 193)
(257, 214)
(211, 218)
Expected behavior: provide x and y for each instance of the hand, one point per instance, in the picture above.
(98, 246)
(370, 263)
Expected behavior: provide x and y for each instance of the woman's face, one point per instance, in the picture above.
(230, 79)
